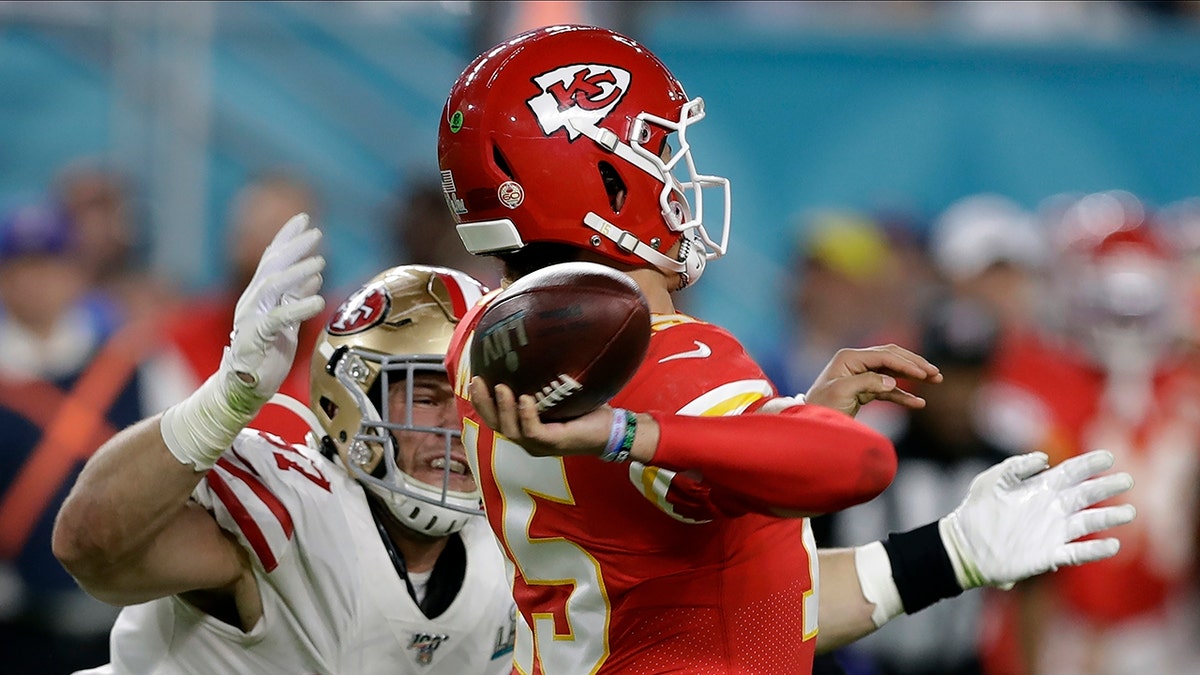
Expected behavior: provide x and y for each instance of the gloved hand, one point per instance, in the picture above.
(1020, 519)
(266, 324)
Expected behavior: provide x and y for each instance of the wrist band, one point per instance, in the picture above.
(616, 434)
(875, 577)
(199, 429)
(921, 567)
(620, 436)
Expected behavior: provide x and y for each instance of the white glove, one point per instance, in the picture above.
(1020, 519)
(266, 324)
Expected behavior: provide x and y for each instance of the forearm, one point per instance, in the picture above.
(127, 495)
(844, 614)
(865, 587)
(806, 459)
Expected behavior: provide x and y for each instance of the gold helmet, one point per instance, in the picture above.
(390, 333)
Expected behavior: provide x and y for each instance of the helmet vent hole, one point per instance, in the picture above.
(501, 162)
(614, 187)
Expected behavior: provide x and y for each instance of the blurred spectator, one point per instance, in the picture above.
(848, 286)
(1116, 382)
(425, 233)
(1183, 220)
(841, 270)
(992, 251)
(989, 250)
(198, 332)
(940, 450)
(69, 378)
(97, 199)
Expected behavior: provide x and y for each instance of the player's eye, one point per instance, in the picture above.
(424, 400)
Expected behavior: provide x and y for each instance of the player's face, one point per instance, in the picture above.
(422, 455)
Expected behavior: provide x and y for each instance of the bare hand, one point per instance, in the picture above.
(855, 377)
(518, 421)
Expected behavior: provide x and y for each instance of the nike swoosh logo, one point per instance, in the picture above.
(700, 352)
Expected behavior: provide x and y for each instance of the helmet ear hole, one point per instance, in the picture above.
(613, 186)
(329, 407)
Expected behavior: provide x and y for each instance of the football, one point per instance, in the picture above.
(571, 335)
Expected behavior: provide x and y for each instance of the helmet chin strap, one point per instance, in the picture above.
(689, 268)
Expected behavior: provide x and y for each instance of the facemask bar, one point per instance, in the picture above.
(689, 114)
(375, 429)
(697, 247)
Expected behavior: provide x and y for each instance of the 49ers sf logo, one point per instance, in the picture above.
(586, 92)
(366, 308)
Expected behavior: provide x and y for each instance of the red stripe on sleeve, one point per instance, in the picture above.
(264, 495)
(233, 451)
(253, 533)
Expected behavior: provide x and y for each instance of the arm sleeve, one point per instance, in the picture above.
(806, 458)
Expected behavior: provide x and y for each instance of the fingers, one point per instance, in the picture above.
(282, 253)
(899, 397)
(503, 412)
(1080, 552)
(292, 312)
(506, 412)
(1016, 469)
(1092, 521)
(294, 279)
(483, 402)
(1078, 469)
(890, 359)
(291, 243)
(289, 230)
(1096, 490)
(858, 376)
(849, 393)
(286, 288)
(307, 287)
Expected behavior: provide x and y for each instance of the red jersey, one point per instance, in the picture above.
(676, 566)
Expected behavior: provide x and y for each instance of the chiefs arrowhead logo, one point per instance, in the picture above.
(366, 308)
(582, 91)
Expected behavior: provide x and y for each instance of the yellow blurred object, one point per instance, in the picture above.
(848, 243)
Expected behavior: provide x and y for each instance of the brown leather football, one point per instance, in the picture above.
(571, 335)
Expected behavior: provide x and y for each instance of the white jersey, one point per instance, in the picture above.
(332, 601)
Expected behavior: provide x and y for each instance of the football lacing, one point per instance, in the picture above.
(556, 392)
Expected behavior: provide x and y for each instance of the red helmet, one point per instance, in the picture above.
(562, 134)
(1118, 273)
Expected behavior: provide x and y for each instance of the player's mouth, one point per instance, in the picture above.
(456, 466)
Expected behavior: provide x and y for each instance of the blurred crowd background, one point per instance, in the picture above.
(1010, 188)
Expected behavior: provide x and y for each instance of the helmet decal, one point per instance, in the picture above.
(365, 309)
(511, 194)
(587, 91)
(457, 206)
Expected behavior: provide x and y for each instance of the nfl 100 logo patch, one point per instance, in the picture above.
(425, 645)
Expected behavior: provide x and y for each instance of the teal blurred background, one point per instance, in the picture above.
(897, 107)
